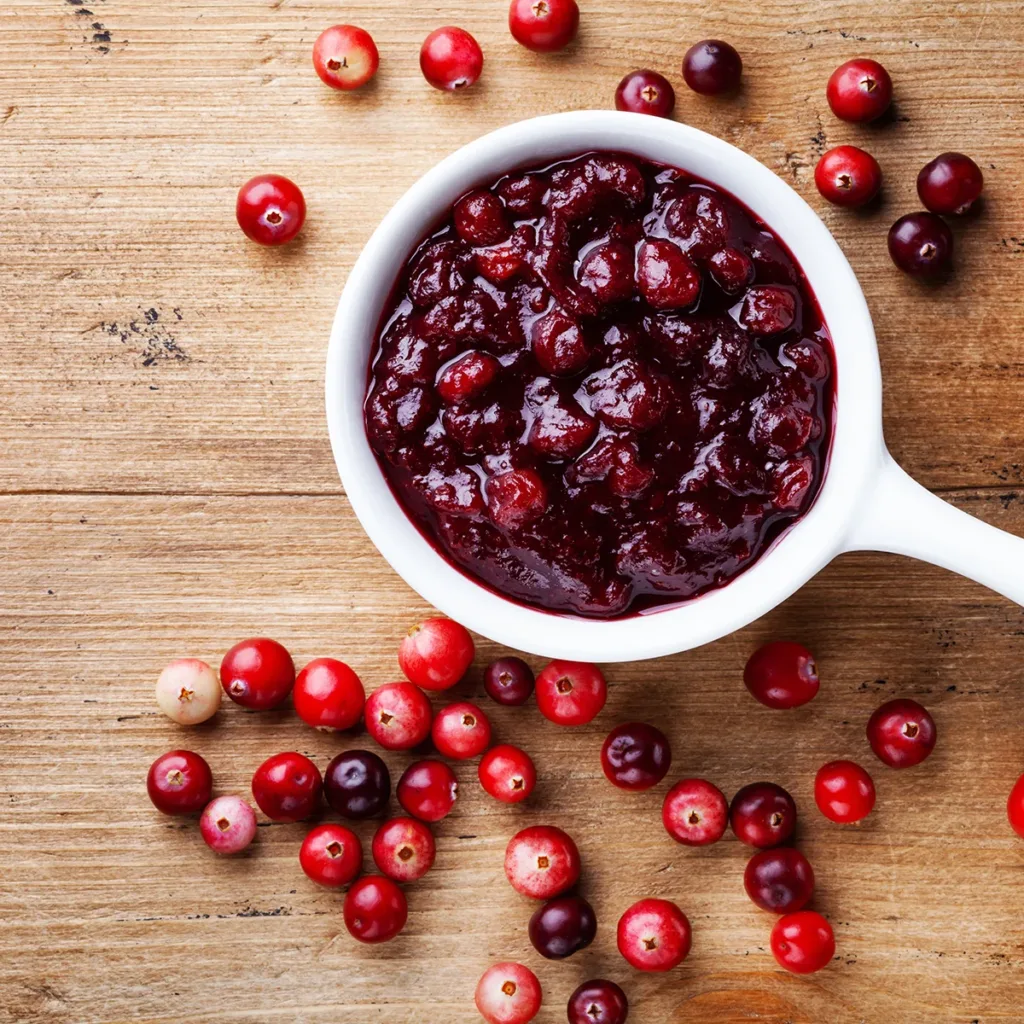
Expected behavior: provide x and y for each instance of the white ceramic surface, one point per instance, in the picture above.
(866, 501)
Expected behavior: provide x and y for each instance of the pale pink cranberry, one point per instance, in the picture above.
(228, 824)
(666, 276)
(345, 57)
(508, 994)
(188, 691)
(516, 498)
(542, 862)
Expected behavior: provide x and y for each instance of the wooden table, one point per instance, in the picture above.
(167, 488)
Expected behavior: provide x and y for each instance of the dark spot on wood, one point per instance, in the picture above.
(8, 114)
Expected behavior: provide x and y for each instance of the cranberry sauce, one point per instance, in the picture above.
(601, 385)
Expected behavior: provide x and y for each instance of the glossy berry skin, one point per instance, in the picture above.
(780, 881)
(357, 784)
(782, 675)
(287, 787)
(270, 209)
(848, 176)
(345, 57)
(921, 244)
(646, 92)
(188, 691)
(712, 67)
(507, 773)
(227, 825)
(859, 90)
(331, 855)
(571, 692)
(542, 862)
(509, 681)
(328, 695)
(398, 716)
(635, 756)
(844, 792)
(950, 183)
(451, 59)
(1015, 807)
(598, 1002)
(803, 942)
(435, 654)
(544, 25)
(375, 909)
(461, 731)
(258, 674)
(508, 993)
(179, 782)
(654, 935)
(901, 733)
(762, 815)
(695, 812)
(404, 849)
(428, 790)
(562, 927)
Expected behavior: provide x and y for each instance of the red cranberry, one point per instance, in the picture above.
(398, 716)
(607, 272)
(844, 792)
(357, 784)
(179, 782)
(646, 92)
(375, 909)
(542, 862)
(331, 856)
(286, 787)
(762, 814)
(345, 57)
(950, 183)
(803, 942)
(782, 675)
(188, 692)
(427, 790)
(700, 222)
(523, 195)
(695, 812)
(516, 498)
(559, 345)
(1015, 807)
(636, 756)
(780, 881)
(629, 395)
(921, 244)
(509, 681)
(711, 67)
(403, 849)
(436, 653)
(859, 90)
(562, 927)
(451, 59)
(467, 377)
(508, 994)
(847, 176)
(270, 209)
(561, 429)
(768, 309)
(461, 731)
(227, 824)
(598, 1002)
(507, 774)
(544, 25)
(571, 692)
(257, 673)
(901, 733)
(654, 935)
(480, 218)
(328, 695)
(731, 269)
(666, 275)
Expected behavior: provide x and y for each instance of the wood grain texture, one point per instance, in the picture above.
(167, 488)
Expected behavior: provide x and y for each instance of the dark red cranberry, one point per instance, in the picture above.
(699, 221)
(439, 272)
(636, 756)
(403, 849)
(461, 731)
(902, 733)
(654, 935)
(1015, 807)
(859, 90)
(607, 272)
(428, 790)
(768, 309)
(711, 67)
(328, 695)
(523, 195)
(646, 92)
(467, 376)
(544, 25)
(507, 773)
(375, 909)
(357, 784)
(270, 209)
(731, 269)
(480, 218)
(508, 994)
(921, 244)
(559, 345)
(598, 1002)
(561, 429)
(331, 855)
(847, 176)
(345, 57)
(179, 782)
(803, 942)
(666, 276)
(571, 692)
(509, 681)
(844, 792)
(542, 862)
(436, 653)
(780, 881)
(451, 59)
(398, 716)
(782, 675)
(695, 812)
(950, 183)
(516, 498)
(762, 814)
(562, 927)
(287, 787)
(257, 673)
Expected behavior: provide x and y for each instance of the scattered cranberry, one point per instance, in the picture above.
(286, 787)
(950, 183)
(562, 927)
(731, 269)
(782, 675)
(227, 825)
(654, 935)
(598, 1002)
(571, 692)
(436, 653)
(508, 994)
(461, 731)
(859, 90)
(844, 792)
(398, 716)
(467, 376)
(328, 695)
(544, 25)
(542, 862)
(780, 881)
(357, 784)
(646, 92)
(762, 814)
(427, 790)
(270, 209)
(509, 681)
(331, 855)
(345, 57)
(666, 276)
(516, 498)
(1015, 807)
(257, 673)
(803, 942)
(179, 782)
(188, 691)
(695, 812)
(375, 909)
(403, 849)
(636, 756)
(901, 733)
(507, 774)
(921, 244)
(711, 67)
(847, 176)
(480, 218)
(768, 309)
(451, 59)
